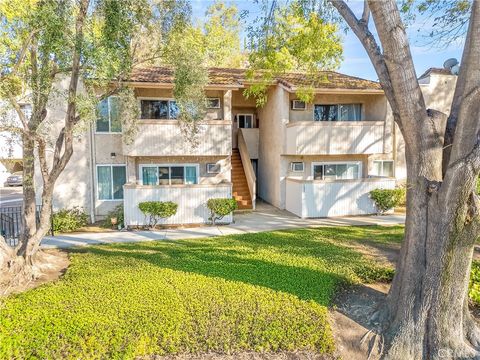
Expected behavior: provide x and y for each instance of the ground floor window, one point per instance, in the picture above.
(383, 168)
(337, 171)
(110, 181)
(169, 174)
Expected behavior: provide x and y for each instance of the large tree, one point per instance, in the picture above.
(94, 44)
(426, 313)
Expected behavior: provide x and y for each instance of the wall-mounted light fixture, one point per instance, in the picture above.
(113, 155)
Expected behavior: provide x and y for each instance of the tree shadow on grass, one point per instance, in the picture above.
(296, 262)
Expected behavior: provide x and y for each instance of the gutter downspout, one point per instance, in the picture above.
(92, 161)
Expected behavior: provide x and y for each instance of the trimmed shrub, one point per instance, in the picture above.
(386, 199)
(474, 288)
(156, 210)
(67, 220)
(220, 207)
(117, 213)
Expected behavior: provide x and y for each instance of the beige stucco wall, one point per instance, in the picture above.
(438, 91)
(74, 185)
(271, 168)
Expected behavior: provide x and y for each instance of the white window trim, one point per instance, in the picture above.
(140, 98)
(384, 161)
(362, 113)
(359, 163)
(292, 169)
(169, 165)
(215, 107)
(246, 114)
(214, 172)
(111, 179)
(109, 121)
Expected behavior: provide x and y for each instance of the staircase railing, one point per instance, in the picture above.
(247, 167)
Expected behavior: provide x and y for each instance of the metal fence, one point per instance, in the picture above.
(11, 223)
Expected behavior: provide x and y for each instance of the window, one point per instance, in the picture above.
(298, 105)
(297, 166)
(158, 109)
(245, 121)
(340, 171)
(213, 103)
(110, 181)
(213, 168)
(338, 112)
(27, 110)
(108, 119)
(383, 168)
(169, 174)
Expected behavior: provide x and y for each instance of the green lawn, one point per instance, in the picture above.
(262, 292)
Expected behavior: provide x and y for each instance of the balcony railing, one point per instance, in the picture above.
(335, 137)
(315, 198)
(165, 138)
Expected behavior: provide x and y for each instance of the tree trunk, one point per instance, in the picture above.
(426, 314)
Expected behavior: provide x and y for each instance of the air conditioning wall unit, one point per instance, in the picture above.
(299, 105)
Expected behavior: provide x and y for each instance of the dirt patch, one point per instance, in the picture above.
(300, 355)
(56, 264)
(355, 334)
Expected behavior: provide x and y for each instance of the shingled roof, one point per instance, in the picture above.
(237, 77)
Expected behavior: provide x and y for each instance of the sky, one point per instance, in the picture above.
(356, 61)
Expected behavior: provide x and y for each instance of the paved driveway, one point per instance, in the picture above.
(265, 218)
(11, 196)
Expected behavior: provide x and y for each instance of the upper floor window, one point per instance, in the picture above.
(108, 111)
(245, 121)
(169, 174)
(338, 171)
(338, 112)
(27, 110)
(158, 109)
(213, 103)
(383, 168)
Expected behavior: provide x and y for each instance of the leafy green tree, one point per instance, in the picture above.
(290, 37)
(222, 31)
(83, 43)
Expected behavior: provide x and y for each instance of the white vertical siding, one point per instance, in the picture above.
(335, 137)
(294, 201)
(191, 200)
(340, 198)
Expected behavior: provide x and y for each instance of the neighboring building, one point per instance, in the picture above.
(11, 155)
(314, 160)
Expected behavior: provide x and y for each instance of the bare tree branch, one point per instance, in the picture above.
(366, 13)
(361, 30)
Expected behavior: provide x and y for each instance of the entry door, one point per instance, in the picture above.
(245, 121)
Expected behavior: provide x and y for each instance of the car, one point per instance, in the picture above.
(16, 179)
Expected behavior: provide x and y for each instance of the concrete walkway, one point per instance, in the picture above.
(264, 218)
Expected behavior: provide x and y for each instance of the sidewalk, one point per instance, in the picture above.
(265, 218)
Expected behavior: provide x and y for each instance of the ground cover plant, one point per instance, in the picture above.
(262, 292)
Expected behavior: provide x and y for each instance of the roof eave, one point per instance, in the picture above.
(158, 85)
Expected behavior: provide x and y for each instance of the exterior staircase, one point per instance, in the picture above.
(240, 185)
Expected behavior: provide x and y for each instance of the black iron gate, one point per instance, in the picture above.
(11, 223)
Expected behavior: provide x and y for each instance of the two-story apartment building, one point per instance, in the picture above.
(314, 160)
